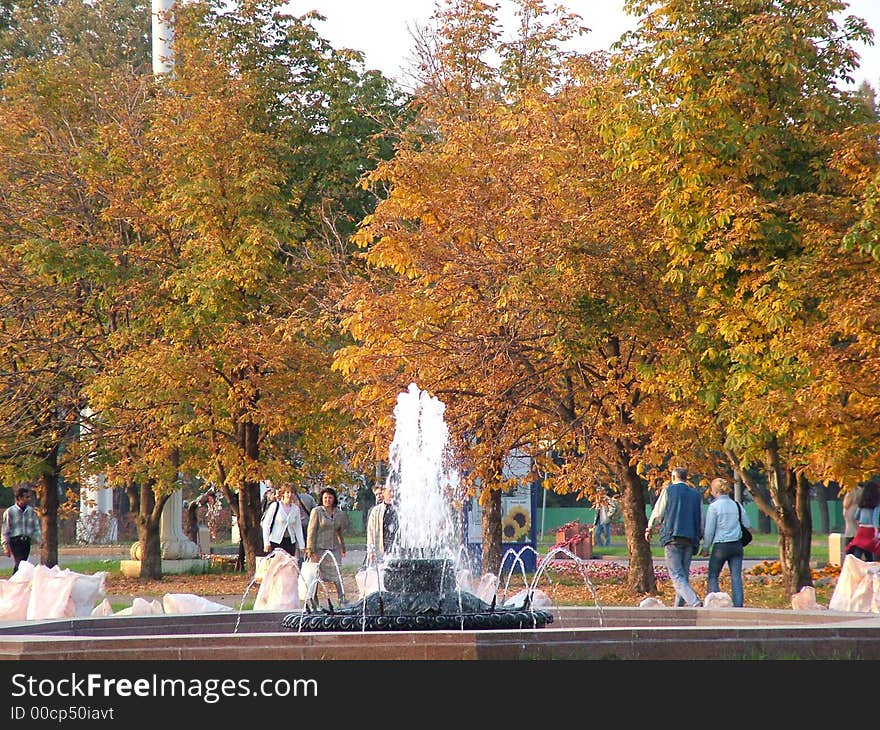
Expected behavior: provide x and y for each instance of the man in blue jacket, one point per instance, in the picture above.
(679, 513)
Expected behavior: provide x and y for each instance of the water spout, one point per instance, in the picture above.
(418, 588)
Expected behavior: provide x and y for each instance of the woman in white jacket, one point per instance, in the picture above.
(282, 524)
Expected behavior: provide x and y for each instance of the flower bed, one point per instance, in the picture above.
(610, 570)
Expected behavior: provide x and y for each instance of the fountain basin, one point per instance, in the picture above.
(420, 595)
(576, 633)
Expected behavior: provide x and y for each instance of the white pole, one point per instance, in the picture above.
(163, 36)
(175, 544)
(543, 505)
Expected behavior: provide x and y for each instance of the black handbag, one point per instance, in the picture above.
(746, 535)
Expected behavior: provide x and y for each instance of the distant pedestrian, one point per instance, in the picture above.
(21, 528)
(606, 507)
(381, 528)
(679, 513)
(864, 544)
(850, 507)
(724, 535)
(269, 496)
(306, 504)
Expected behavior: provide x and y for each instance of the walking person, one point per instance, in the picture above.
(723, 534)
(306, 504)
(678, 511)
(325, 534)
(381, 528)
(282, 524)
(21, 528)
(850, 507)
(605, 510)
(864, 544)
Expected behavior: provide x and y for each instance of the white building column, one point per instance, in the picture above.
(163, 36)
(97, 522)
(175, 544)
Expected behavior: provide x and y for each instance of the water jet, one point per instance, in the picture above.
(420, 590)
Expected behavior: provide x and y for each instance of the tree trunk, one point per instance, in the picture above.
(251, 534)
(249, 524)
(47, 491)
(787, 503)
(802, 575)
(148, 513)
(490, 501)
(151, 548)
(640, 576)
(790, 511)
(792, 496)
(833, 495)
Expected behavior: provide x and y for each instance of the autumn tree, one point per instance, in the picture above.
(106, 33)
(57, 76)
(742, 127)
(240, 185)
(509, 272)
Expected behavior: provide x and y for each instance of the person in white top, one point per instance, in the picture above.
(282, 524)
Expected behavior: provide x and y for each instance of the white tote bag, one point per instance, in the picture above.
(308, 580)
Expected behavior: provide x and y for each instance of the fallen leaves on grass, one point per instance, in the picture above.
(605, 582)
(565, 582)
(205, 584)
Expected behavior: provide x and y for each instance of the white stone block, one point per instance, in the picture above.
(836, 548)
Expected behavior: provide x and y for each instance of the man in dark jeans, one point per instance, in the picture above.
(679, 513)
(21, 528)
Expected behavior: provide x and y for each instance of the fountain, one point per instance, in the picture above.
(420, 590)
(421, 593)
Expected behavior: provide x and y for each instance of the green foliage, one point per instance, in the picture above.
(104, 32)
(759, 158)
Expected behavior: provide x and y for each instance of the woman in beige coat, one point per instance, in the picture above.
(326, 524)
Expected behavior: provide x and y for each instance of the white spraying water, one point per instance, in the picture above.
(424, 479)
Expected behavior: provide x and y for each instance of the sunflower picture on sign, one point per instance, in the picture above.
(516, 524)
(510, 530)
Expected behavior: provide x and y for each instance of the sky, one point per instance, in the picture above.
(381, 29)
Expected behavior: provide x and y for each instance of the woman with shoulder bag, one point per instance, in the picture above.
(725, 520)
(281, 524)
